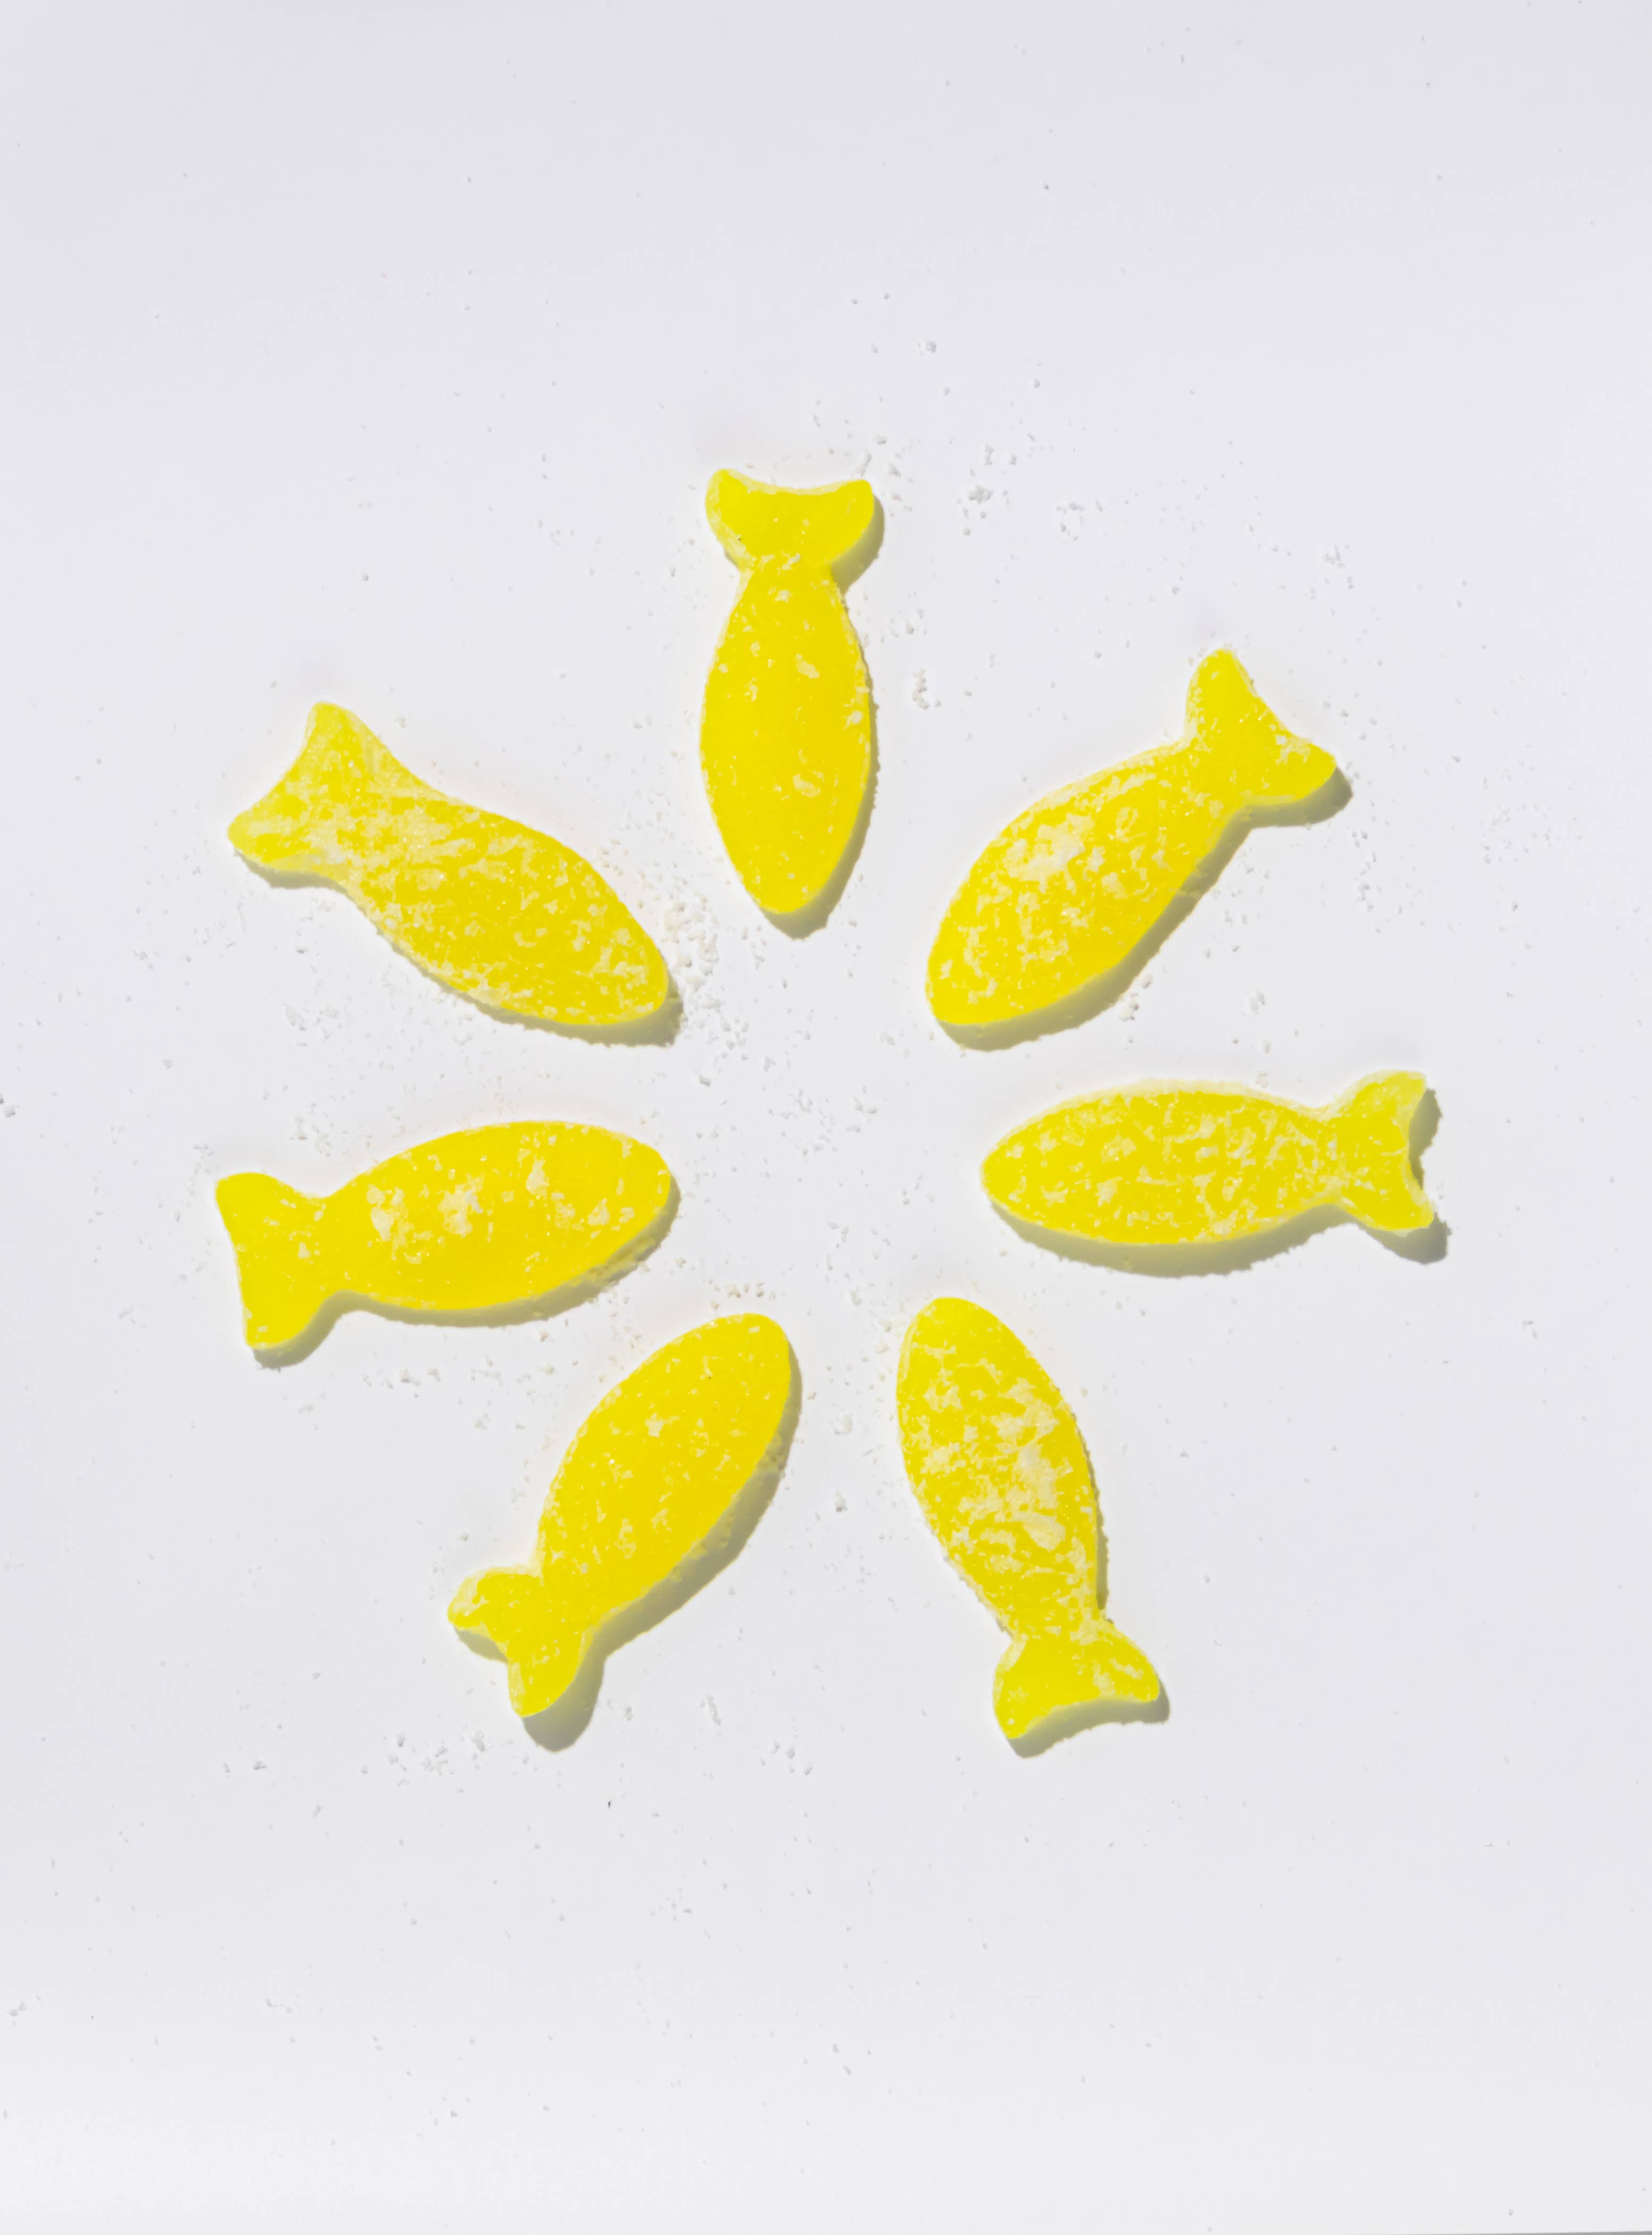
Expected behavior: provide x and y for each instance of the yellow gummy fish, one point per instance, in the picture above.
(499, 1216)
(651, 1478)
(498, 912)
(1156, 1166)
(786, 739)
(1060, 900)
(1002, 1475)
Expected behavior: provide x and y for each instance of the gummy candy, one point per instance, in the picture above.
(501, 1215)
(514, 920)
(786, 737)
(1154, 1166)
(1052, 913)
(1000, 1470)
(651, 1479)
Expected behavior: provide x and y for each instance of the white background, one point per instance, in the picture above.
(383, 354)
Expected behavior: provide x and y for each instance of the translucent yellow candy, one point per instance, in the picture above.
(1001, 1472)
(498, 912)
(478, 1221)
(653, 1479)
(786, 739)
(1047, 923)
(1150, 1167)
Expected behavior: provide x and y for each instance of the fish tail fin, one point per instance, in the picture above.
(515, 1611)
(296, 829)
(1377, 1180)
(276, 1233)
(1041, 1677)
(1273, 768)
(819, 527)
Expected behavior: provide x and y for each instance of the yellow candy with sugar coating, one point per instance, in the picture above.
(999, 1468)
(1049, 918)
(1157, 1166)
(662, 1473)
(512, 919)
(497, 1216)
(786, 735)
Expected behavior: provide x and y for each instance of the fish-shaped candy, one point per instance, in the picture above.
(514, 920)
(1000, 1470)
(786, 736)
(652, 1481)
(1044, 926)
(1154, 1167)
(495, 1216)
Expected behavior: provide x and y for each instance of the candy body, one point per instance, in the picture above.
(1065, 894)
(1163, 1166)
(657, 1466)
(996, 1461)
(786, 734)
(494, 1217)
(501, 913)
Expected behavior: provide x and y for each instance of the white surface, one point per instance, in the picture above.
(382, 354)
